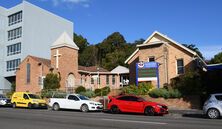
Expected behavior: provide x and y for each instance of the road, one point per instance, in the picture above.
(47, 119)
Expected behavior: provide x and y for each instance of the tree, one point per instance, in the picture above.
(194, 48)
(89, 56)
(81, 42)
(217, 58)
(51, 81)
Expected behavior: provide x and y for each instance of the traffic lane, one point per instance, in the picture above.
(21, 119)
(67, 119)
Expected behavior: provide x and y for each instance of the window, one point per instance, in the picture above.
(99, 80)
(180, 66)
(15, 33)
(113, 80)
(15, 18)
(28, 71)
(218, 97)
(41, 80)
(14, 49)
(12, 64)
(107, 79)
(92, 81)
(81, 80)
(73, 97)
(25, 96)
(151, 59)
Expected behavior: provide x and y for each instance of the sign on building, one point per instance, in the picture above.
(147, 71)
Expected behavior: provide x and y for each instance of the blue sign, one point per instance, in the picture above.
(147, 71)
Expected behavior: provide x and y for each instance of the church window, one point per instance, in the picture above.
(28, 73)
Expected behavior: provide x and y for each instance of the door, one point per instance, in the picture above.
(23, 100)
(73, 102)
(135, 104)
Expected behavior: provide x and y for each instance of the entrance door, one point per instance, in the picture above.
(71, 80)
(70, 86)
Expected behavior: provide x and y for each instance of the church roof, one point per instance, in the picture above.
(120, 69)
(92, 69)
(44, 61)
(64, 40)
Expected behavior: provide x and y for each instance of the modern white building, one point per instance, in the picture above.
(26, 29)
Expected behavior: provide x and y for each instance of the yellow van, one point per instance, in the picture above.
(26, 99)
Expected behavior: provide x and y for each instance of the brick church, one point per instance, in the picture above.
(64, 62)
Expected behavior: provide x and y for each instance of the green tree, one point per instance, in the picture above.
(51, 81)
(217, 58)
(194, 48)
(81, 42)
(89, 56)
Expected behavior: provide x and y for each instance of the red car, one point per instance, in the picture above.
(130, 103)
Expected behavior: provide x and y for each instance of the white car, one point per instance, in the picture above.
(75, 102)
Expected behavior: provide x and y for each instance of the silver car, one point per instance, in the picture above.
(213, 106)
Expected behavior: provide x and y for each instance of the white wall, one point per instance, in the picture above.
(41, 29)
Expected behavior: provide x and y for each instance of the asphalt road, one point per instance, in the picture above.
(47, 119)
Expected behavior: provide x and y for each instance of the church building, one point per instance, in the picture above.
(165, 59)
(64, 62)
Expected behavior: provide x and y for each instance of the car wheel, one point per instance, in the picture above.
(213, 113)
(84, 108)
(30, 106)
(14, 105)
(55, 107)
(149, 111)
(114, 109)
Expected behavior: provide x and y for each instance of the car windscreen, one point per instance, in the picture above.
(33, 96)
(83, 97)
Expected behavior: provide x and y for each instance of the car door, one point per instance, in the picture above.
(73, 102)
(123, 103)
(23, 100)
(135, 104)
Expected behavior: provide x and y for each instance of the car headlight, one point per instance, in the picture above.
(159, 106)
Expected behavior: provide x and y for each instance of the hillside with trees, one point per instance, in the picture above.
(109, 53)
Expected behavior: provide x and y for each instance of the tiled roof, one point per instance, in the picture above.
(92, 69)
(46, 62)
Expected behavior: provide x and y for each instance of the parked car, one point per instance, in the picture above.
(75, 102)
(134, 104)
(213, 106)
(4, 101)
(26, 99)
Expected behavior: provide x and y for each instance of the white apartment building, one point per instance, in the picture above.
(26, 29)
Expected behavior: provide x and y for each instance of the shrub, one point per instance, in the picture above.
(189, 84)
(80, 89)
(51, 81)
(172, 93)
(103, 91)
(97, 92)
(142, 89)
(88, 93)
(52, 93)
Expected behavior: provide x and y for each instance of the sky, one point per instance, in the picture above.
(196, 22)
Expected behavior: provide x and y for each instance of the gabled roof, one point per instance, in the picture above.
(44, 61)
(64, 40)
(120, 70)
(164, 36)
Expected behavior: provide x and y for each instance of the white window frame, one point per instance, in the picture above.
(151, 57)
(177, 66)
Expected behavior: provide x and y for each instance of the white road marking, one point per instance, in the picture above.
(132, 121)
